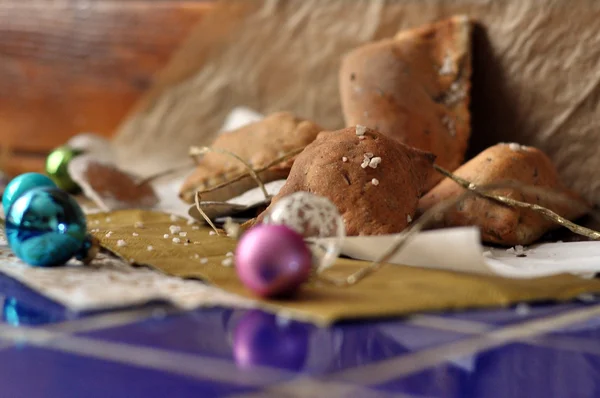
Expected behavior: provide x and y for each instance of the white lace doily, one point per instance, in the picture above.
(109, 283)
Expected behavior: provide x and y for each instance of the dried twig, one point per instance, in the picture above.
(203, 214)
(275, 162)
(543, 211)
(197, 151)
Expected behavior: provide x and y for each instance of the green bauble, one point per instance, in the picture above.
(57, 167)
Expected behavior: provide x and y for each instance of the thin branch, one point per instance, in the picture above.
(196, 151)
(543, 211)
(203, 214)
(281, 159)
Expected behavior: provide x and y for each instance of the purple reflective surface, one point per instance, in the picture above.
(251, 345)
(31, 372)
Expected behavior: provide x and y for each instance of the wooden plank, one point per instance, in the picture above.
(68, 67)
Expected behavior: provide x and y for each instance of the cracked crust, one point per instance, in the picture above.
(377, 199)
(500, 224)
(415, 89)
(259, 144)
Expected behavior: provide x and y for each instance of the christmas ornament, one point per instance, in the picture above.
(317, 219)
(45, 227)
(57, 165)
(260, 339)
(272, 260)
(21, 184)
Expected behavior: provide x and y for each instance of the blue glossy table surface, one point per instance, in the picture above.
(544, 350)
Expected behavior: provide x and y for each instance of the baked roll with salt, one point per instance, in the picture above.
(259, 144)
(501, 224)
(414, 88)
(374, 181)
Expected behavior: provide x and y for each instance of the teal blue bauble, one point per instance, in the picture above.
(21, 184)
(45, 227)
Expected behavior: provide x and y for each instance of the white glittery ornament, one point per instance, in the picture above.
(317, 219)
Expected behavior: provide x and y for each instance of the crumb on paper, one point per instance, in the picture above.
(108, 219)
(229, 254)
(174, 218)
(176, 240)
(203, 260)
(228, 262)
(190, 222)
(166, 236)
(150, 248)
(196, 255)
(522, 309)
(365, 163)
(135, 234)
(109, 234)
(212, 233)
(360, 130)
(518, 251)
(121, 243)
(175, 229)
(344, 159)
(231, 228)
(183, 234)
(195, 227)
(375, 181)
(97, 222)
(374, 162)
(139, 224)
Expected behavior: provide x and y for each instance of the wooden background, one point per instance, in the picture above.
(74, 66)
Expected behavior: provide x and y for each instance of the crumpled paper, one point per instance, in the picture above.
(536, 78)
(460, 249)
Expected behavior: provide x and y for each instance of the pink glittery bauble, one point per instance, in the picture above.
(272, 260)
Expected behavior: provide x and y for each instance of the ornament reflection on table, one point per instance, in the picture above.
(45, 226)
(260, 340)
(16, 313)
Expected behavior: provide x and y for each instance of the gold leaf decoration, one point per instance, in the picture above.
(391, 291)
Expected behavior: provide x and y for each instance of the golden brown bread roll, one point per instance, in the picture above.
(414, 88)
(501, 224)
(259, 144)
(374, 181)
